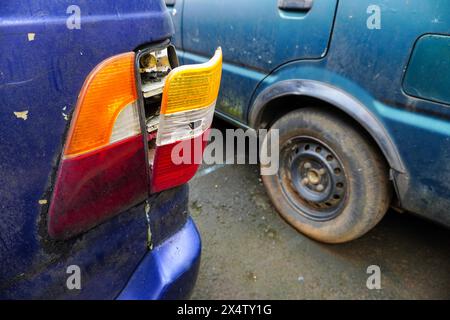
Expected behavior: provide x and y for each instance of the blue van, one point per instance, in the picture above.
(359, 91)
(91, 206)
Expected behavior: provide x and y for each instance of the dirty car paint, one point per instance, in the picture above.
(43, 64)
(369, 64)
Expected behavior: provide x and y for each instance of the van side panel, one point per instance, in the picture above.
(370, 64)
(255, 37)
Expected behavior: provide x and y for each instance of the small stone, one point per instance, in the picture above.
(251, 276)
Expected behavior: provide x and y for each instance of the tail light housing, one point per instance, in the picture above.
(105, 167)
(187, 110)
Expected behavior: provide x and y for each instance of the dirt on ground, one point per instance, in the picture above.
(250, 252)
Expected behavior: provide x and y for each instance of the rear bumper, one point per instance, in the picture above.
(170, 270)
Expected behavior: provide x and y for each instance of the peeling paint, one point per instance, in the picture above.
(64, 114)
(31, 36)
(149, 230)
(21, 114)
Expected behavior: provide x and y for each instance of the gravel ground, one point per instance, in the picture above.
(249, 252)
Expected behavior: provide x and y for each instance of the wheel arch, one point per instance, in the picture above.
(332, 96)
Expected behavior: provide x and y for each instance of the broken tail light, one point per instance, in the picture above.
(109, 163)
(187, 110)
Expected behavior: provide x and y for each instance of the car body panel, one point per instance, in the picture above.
(175, 8)
(369, 65)
(255, 39)
(258, 35)
(172, 274)
(43, 65)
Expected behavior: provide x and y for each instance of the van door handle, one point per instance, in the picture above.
(295, 5)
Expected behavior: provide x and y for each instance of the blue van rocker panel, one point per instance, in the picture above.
(360, 71)
(43, 65)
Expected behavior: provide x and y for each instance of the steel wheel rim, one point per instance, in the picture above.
(312, 178)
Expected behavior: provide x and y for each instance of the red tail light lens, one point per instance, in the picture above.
(94, 187)
(167, 174)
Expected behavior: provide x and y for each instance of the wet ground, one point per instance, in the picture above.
(249, 252)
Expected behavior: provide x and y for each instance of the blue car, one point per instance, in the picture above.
(359, 91)
(92, 207)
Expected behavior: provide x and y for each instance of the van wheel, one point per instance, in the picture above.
(332, 184)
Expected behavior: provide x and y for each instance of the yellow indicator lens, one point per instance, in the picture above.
(192, 86)
(109, 88)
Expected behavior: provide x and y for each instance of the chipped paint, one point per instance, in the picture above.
(64, 114)
(31, 36)
(149, 229)
(43, 201)
(21, 114)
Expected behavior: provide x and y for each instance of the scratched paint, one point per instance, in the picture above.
(21, 114)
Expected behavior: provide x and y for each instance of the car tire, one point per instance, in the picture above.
(332, 183)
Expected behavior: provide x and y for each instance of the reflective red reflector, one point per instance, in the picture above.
(96, 186)
(168, 172)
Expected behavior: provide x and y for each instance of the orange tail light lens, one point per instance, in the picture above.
(192, 87)
(189, 100)
(109, 89)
